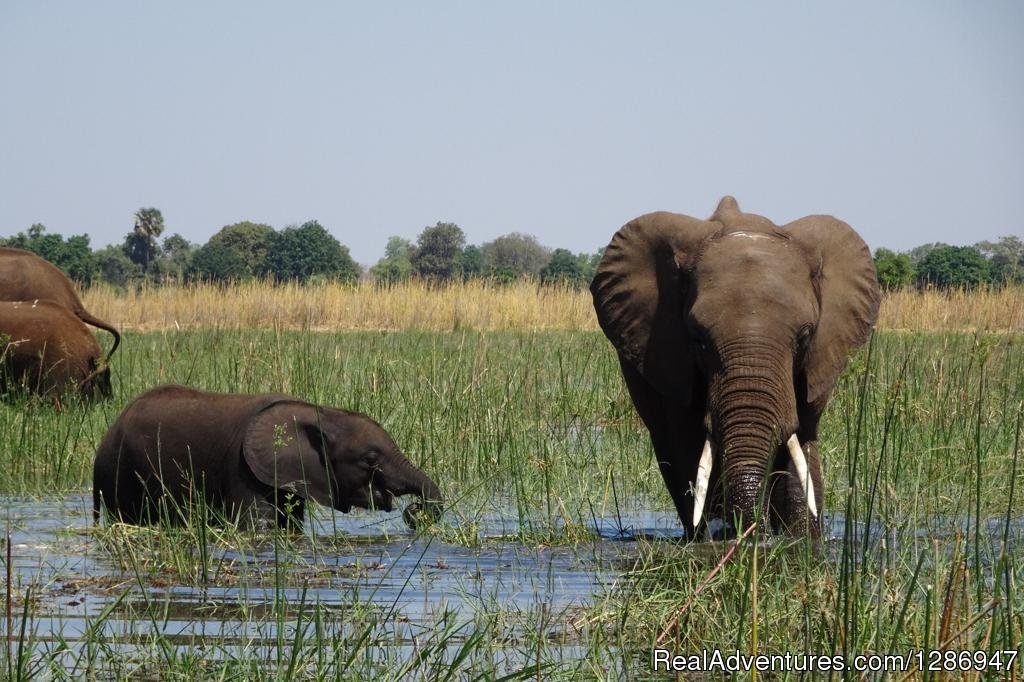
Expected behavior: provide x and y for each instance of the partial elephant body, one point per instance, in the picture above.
(254, 457)
(47, 350)
(731, 333)
(24, 276)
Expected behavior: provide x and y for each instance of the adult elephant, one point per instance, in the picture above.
(253, 457)
(24, 276)
(731, 333)
(46, 349)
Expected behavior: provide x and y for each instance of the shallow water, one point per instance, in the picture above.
(366, 563)
(355, 566)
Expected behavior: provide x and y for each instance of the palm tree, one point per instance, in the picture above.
(140, 245)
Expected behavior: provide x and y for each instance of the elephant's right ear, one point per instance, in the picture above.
(285, 448)
(639, 293)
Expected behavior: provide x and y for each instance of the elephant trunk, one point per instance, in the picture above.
(408, 480)
(753, 409)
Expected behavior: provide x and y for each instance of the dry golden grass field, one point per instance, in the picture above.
(473, 305)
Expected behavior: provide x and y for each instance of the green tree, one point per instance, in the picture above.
(78, 259)
(471, 262)
(35, 239)
(74, 256)
(396, 265)
(947, 267)
(564, 268)
(590, 262)
(918, 253)
(502, 276)
(216, 262)
(308, 251)
(388, 272)
(115, 268)
(251, 242)
(1006, 259)
(398, 249)
(176, 252)
(517, 253)
(437, 253)
(894, 269)
(140, 245)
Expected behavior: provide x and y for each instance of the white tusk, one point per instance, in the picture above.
(800, 462)
(700, 486)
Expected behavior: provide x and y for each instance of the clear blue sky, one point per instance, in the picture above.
(560, 119)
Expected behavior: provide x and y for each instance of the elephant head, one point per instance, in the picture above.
(96, 385)
(736, 329)
(340, 459)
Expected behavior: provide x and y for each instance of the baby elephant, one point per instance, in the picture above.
(253, 457)
(46, 349)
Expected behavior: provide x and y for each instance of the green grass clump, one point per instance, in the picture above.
(921, 448)
(920, 444)
(538, 421)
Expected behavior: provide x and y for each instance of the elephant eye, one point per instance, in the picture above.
(803, 337)
(371, 457)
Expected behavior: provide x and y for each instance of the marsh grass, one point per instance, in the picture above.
(923, 465)
(508, 419)
(921, 445)
(476, 305)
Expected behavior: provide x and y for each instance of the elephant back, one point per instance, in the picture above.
(24, 276)
(47, 326)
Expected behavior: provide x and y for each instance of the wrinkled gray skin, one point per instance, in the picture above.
(735, 330)
(255, 457)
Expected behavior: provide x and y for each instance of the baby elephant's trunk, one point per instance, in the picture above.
(412, 481)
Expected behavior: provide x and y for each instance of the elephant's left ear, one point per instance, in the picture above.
(285, 448)
(849, 297)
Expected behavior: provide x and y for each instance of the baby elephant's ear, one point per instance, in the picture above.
(285, 447)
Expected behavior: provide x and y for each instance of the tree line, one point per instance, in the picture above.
(304, 253)
(309, 253)
(942, 266)
(240, 251)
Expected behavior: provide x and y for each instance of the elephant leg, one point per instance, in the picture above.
(677, 435)
(788, 503)
(127, 492)
(123, 499)
(142, 501)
